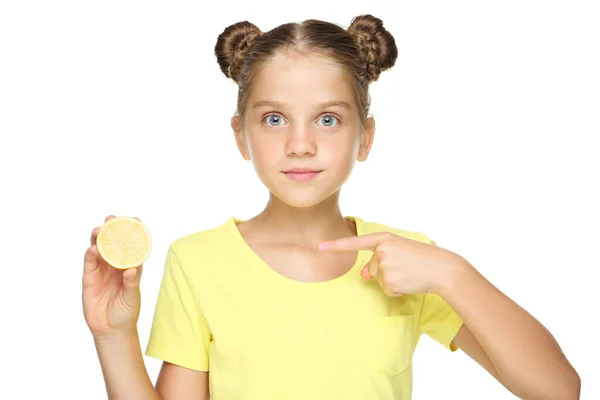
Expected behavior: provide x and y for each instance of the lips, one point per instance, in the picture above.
(301, 171)
(301, 174)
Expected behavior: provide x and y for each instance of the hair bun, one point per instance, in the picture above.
(376, 45)
(233, 45)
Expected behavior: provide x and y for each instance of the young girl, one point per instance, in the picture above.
(301, 302)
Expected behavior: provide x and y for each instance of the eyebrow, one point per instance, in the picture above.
(278, 105)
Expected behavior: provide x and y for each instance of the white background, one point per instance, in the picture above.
(486, 142)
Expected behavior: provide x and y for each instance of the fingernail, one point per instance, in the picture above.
(322, 246)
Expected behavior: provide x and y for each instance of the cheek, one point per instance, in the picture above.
(263, 152)
(346, 161)
(344, 151)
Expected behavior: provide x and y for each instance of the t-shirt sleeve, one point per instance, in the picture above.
(179, 332)
(438, 320)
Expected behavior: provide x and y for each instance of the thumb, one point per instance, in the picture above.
(131, 286)
(370, 269)
(365, 272)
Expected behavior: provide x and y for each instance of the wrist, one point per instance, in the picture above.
(117, 336)
(117, 346)
(452, 270)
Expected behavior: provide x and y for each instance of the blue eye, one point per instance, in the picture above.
(329, 120)
(273, 120)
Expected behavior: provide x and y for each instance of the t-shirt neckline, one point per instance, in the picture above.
(242, 245)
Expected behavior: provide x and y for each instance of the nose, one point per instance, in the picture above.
(300, 141)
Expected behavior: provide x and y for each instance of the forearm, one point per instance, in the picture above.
(123, 368)
(524, 353)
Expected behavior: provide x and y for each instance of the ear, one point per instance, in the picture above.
(240, 137)
(366, 139)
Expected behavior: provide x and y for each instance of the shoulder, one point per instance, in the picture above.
(195, 244)
(374, 226)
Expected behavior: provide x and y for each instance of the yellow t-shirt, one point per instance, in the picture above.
(263, 336)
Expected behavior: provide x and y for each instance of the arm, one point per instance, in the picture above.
(126, 377)
(465, 341)
(499, 334)
(179, 383)
(111, 303)
(123, 368)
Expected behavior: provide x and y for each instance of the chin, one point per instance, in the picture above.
(301, 198)
(301, 194)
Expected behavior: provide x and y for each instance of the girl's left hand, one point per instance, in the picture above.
(400, 265)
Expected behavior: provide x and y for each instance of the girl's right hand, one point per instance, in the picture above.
(111, 297)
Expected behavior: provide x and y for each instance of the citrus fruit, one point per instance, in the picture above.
(124, 242)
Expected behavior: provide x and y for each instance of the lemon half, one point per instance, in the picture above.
(124, 242)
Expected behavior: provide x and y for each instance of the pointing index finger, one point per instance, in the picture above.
(352, 243)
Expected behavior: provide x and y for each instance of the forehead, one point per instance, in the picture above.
(301, 79)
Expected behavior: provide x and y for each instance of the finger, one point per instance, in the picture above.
(94, 236)
(134, 273)
(353, 243)
(364, 272)
(139, 271)
(129, 275)
(108, 218)
(131, 286)
(374, 266)
(90, 260)
(371, 269)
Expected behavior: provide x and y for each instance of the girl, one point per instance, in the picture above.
(301, 302)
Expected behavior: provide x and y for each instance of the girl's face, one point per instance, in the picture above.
(302, 129)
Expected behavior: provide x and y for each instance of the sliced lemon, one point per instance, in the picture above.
(124, 242)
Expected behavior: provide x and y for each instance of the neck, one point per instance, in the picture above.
(310, 225)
